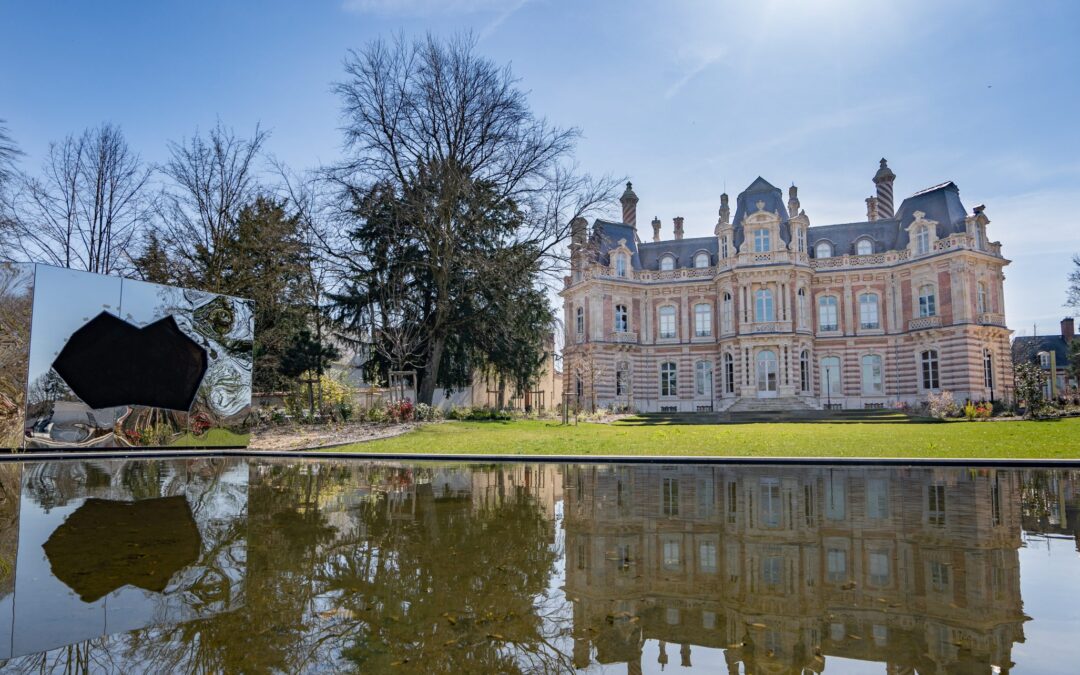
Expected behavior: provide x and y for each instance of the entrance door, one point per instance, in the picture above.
(766, 374)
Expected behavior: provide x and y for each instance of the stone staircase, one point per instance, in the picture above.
(774, 410)
(784, 404)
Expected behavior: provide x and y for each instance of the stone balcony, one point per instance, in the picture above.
(924, 322)
(623, 337)
(991, 318)
(766, 327)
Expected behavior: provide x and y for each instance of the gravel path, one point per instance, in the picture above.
(287, 437)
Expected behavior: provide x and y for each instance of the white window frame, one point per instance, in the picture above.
(930, 369)
(868, 311)
(828, 308)
(703, 379)
(669, 379)
(729, 373)
(764, 307)
(702, 319)
(701, 260)
(874, 383)
(727, 314)
(981, 298)
(620, 266)
(667, 324)
(864, 246)
(667, 263)
(579, 320)
(762, 240)
(823, 247)
(922, 240)
(927, 300)
(622, 319)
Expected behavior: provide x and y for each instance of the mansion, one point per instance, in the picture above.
(857, 315)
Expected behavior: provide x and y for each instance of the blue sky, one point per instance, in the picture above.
(686, 98)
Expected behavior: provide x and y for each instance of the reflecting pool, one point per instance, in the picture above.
(267, 565)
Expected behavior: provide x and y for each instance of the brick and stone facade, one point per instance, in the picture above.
(866, 314)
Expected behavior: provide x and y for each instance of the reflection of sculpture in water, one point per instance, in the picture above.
(782, 567)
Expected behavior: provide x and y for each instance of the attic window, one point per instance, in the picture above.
(701, 260)
(823, 250)
(667, 263)
(620, 266)
(864, 247)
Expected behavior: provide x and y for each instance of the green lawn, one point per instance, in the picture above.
(1049, 440)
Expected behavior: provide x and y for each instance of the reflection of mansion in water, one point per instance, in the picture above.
(785, 567)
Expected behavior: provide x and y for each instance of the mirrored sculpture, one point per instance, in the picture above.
(92, 361)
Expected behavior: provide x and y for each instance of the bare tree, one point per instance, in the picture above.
(86, 209)
(8, 153)
(453, 137)
(210, 179)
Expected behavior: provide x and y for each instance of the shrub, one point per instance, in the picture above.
(376, 414)
(977, 411)
(402, 411)
(942, 405)
(1030, 380)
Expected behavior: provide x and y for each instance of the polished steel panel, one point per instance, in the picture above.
(16, 301)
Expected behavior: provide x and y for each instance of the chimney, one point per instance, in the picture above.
(725, 210)
(578, 226)
(655, 229)
(871, 208)
(793, 201)
(1068, 330)
(629, 206)
(678, 227)
(883, 179)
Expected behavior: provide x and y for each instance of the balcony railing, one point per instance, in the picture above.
(992, 319)
(768, 327)
(924, 322)
(623, 337)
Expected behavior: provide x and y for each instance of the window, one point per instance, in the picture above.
(706, 497)
(868, 311)
(922, 240)
(762, 240)
(935, 505)
(728, 313)
(668, 380)
(981, 298)
(579, 320)
(672, 558)
(622, 322)
(872, 384)
(803, 313)
(835, 497)
(804, 371)
(864, 247)
(707, 557)
(877, 498)
(836, 563)
(1044, 359)
(763, 305)
(622, 380)
(667, 263)
(667, 322)
(830, 376)
(579, 387)
(939, 575)
(702, 320)
(927, 300)
(801, 239)
(703, 379)
(729, 374)
(879, 568)
(770, 502)
(701, 260)
(988, 369)
(669, 493)
(770, 570)
(930, 369)
(732, 505)
(624, 557)
(723, 247)
(620, 266)
(828, 318)
(823, 250)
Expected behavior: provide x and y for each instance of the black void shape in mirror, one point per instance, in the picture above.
(109, 362)
(105, 545)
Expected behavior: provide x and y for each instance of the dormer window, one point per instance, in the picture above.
(723, 247)
(801, 238)
(667, 263)
(620, 266)
(701, 260)
(762, 241)
(922, 240)
(864, 247)
(823, 250)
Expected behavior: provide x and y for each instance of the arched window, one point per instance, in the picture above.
(622, 379)
(868, 311)
(703, 379)
(930, 376)
(579, 386)
(579, 320)
(762, 240)
(800, 237)
(823, 250)
(804, 370)
(864, 247)
(667, 321)
(729, 374)
(702, 320)
(669, 379)
(667, 263)
(922, 240)
(727, 313)
(828, 317)
(872, 383)
(622, 320)
(927, 300)
(620, 266)
(981, 298)
(988, 369)
(701, 260)
(723, 247)
(830, 377)
(763, 305)
(802, 307)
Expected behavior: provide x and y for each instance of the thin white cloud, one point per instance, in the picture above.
(502, 16)
(703, 64)
(422, 8)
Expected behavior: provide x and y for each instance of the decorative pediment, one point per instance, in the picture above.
(920, 219)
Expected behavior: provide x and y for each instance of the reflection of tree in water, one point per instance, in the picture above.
(47, 388)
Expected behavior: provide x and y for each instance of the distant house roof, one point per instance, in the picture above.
(1027, 348)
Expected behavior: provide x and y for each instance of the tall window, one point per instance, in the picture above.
(667, 321)
(729, 374)
(723, 247)
(770, 502)
(868, 311)
(667, 263)
(620, 266)
(922, 240)
(622, 321)
(763, 305)
(669, 383)
(701, 260)
(930, 378)
(864, 247)
(579, 320)
(830, 377)
(669, 493)
(935, 505)
(801, 239)
(872, 384)
(702, 320)
(703, 379)
(728, 313)
(672, 559)
(762, 240)
(707, 557)
(828, 316)
(823, 250)
(804, 371)
(927, 300)
(622, 380)
(981, 298)
(988, 369)
(803, 311)
(879, 568)
(579, 387)
(877, 498)
(835, 496)
(836, 561)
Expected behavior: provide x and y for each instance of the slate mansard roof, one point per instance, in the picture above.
(940, 203)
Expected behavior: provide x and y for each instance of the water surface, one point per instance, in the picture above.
(260, 565)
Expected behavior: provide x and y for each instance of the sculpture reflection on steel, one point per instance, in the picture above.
(92, 361)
